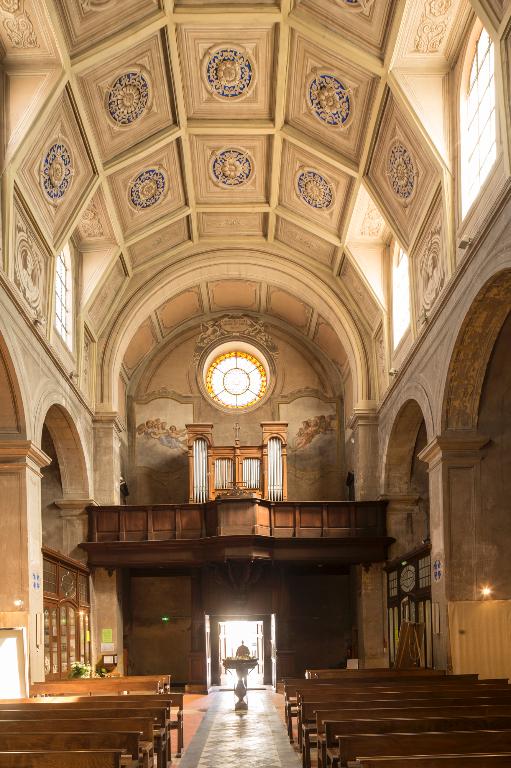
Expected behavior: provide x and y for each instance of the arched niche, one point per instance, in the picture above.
(472, 351)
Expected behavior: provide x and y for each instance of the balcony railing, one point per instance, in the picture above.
(224, 517)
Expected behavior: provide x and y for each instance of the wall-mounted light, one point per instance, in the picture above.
(19, 603)
(486, 592)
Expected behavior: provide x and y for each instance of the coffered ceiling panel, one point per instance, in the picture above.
(127, 97)
(305, 242)
(94, 229)
(228, 71)
(57, 171)
(284, 305)
(25, 29)
(362, 22)
(429, 33)
(148, 189)
(161, 241)
(227, 226)
(88, 22)
(230, 169)
(402, 173)
(239, 294)
(329, 97)
(182, 307)
(313, 189)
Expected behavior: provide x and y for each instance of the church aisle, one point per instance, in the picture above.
(229, 739)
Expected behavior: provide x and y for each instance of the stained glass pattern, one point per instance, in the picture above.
(236, 380)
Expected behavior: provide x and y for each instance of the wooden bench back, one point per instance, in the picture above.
(95, 685)
(144, 725)
(68, 759)
(334, 729)
(377, 672)
(352, 702)
(439, 761)
(128, 740)
(428, 743)
(71, 712)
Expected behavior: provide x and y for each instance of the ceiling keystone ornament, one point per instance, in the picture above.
(314, 189)
(20, 31)
(433, 26)
(401, 171)
(233, 327)
(90, 223)
(231, 167)
(357, 6)
(228, 72)
(128, 97)
(56, 172)
(329, 99)
(148, 188)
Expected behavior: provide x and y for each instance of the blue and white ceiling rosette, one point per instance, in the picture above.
(128, 97)
(401, 171)
(329, 99)
(148, 188)
(57, 170)
(231, 167)
(314, 189)
(228, 72)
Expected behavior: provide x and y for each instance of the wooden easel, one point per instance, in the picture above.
(409, 649)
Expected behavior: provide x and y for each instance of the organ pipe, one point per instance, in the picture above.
(252, 473)
(275, 475)
(200, 470)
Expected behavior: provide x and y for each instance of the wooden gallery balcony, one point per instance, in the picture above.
(245, 527)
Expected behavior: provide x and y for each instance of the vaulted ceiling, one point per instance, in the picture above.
(189, 144)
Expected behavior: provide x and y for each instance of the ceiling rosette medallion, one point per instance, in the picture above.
(231, 167)
(148, 188)
(329, 99)
(357, 6)
(57, 172)
(314, 189)
(401, 171)
(128, 98)
(228, 72)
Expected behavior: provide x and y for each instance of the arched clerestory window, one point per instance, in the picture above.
(478, 117)
(64, 296)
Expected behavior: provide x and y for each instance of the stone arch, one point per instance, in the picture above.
(472, 351)
(217, 264)
(69, 450)
(401, 446)
(12, 410)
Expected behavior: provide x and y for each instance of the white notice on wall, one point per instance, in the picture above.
(107, 647)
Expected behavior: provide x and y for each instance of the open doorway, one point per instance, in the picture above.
(232, 634)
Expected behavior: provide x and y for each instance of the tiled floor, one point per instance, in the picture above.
(226, 739)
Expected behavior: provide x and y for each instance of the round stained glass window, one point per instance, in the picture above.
(236, 379)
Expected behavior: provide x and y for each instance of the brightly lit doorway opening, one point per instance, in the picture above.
(232, 634)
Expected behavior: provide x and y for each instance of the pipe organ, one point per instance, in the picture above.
(238, 470)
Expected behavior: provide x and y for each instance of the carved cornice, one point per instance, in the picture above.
(461, 445)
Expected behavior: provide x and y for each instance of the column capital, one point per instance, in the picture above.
(108, 419)
(23, 452)
(457, 445)
(73, 507)
(364, 414)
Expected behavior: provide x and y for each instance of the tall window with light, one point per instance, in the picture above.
(478, 120)
(64, 296)
(400, 296)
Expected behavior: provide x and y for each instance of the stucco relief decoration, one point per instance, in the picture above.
(19, 29)
(90, 223)
(314, 189)
(329, 99)
(372, 224)
(433, 26)
(148, 188)
(57, 172)
(233, 327)
(231, 167)
(10, 6)
(95, 5)
(431, 272)
(29, 270)
(128, 98)
(357, 6)
(228, 72)
(401, 171)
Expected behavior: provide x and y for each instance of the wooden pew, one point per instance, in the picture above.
(439, 761)
(340, 715)
(127, 742)
(143, 725)
(98, 685)
(376, 672)
(352, 747)
(105, 758)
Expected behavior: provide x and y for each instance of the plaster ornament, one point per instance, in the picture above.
(432, 27)
(148, 188)
(357, 6)
(20, 32)
(329, 99)
(314, 189)
(57, 172)
(431, 272)
(401, 171)
(231, 167)
(10, 6)
(128, 98)
(372, 224)
(228, 72)
(90, 223)
(29, 269)
(233, 326)
(95, 5)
